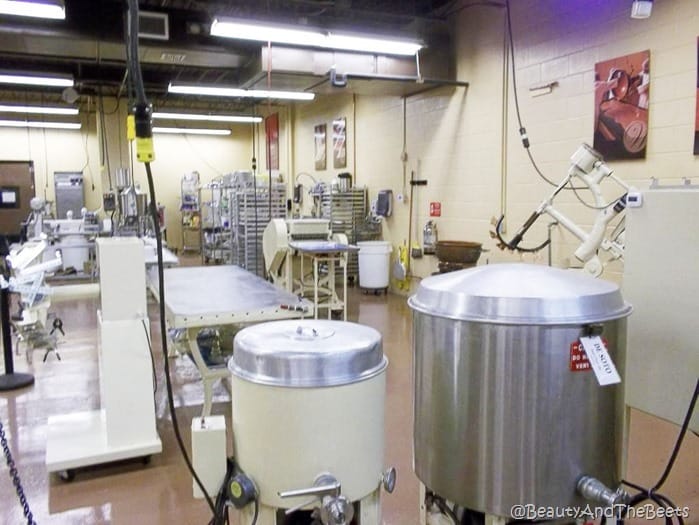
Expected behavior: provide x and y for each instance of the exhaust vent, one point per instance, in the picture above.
(153, 25)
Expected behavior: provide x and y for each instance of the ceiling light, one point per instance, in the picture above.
(55, 9)
(192, 131)
(641, 8)
(36, 80)
(240, 93)
(205, 117)
(240, 29)
(35, 124)
(42, 110)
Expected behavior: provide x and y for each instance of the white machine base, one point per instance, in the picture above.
(208, 454)
(80, 439)
(125, 425)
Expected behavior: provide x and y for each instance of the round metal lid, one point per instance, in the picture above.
(520, 294)
(307, 353)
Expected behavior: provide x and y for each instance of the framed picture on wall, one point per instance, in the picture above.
(340, 143)
(622, 90)
(319, 134)
(696, 118)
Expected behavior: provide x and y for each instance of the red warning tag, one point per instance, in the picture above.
(578, 359)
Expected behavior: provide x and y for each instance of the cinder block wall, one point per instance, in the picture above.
(465, 142)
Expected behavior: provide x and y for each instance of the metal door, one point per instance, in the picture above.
(16, 190)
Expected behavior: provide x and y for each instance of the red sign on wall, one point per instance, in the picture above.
(435, 209)
(272, 136)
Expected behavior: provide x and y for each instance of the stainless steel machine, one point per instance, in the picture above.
(507, 409)
(133, 218)
(275, 245)
(69, 190)
(308, 422)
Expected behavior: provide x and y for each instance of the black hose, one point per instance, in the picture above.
(680, 439)
(134, 74)
(132, 51)
(257, 510)
(446, 510)
(163, 332)
(652, 494)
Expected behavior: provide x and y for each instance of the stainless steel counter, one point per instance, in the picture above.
(200, 296)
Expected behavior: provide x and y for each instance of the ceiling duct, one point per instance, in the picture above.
(326, 71)
(89, 45)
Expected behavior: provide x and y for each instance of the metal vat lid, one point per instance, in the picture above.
(307, 353)
(520, 294)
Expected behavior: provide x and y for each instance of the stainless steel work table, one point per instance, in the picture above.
(197, 297)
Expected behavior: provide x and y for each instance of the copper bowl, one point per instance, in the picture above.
(463, 252)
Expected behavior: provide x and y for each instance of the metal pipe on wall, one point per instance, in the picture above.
(505, 108)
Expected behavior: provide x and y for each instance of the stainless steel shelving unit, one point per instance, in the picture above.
(348, 211)
(214, 224)
(190, 213)
(251, 210)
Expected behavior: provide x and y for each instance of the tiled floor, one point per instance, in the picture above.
(160, 493)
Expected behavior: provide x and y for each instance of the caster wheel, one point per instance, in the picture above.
(145, 460)
(67, 475)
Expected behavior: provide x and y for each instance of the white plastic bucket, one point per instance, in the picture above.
(75, 252)
(374, 263)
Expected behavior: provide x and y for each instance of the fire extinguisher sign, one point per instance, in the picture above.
(435, 209)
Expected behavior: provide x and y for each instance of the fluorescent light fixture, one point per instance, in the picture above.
(641, 8)
(36, 80)
(367, 44)
(205, 117)
(192, 131)
(41, 110)
(55, 9)
(212, 91)
(35, 124)
(244, 30)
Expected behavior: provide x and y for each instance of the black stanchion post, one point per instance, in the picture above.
(10, 380)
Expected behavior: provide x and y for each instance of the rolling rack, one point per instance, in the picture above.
(348, 211)
(189, 208)
(249, 201)
(214, 223)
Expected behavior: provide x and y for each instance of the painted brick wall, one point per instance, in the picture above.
(455, 136)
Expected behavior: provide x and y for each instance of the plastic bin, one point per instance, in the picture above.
(374, 264)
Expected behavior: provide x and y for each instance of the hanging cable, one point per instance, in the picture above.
(140, 127)
(522, 130)
(104, 148)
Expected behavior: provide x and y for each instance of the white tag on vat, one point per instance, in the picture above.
(600, 360)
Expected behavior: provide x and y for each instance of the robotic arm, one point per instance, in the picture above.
(588, 167)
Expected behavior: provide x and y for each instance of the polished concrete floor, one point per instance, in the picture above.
(161, 492)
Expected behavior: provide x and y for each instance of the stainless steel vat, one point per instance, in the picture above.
(500, 417)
